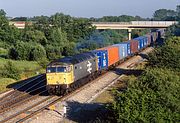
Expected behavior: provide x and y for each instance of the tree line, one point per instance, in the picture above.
(56, 36)
(62, 35)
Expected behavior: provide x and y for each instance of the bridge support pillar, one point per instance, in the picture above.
(129, 34)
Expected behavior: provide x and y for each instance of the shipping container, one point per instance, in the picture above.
(124, 49)
(140, 42)
(133, 46)
(102, 58)
(145, 38)
(148, 38)
(154, 34)
(113, 54)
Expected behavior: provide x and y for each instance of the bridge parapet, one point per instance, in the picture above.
(133, 24)
(167, 23)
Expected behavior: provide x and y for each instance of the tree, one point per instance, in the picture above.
(178, 13)
(10, 71)
(34, 36)
(164, 14)
(58, 38)
(153, 97)
(20, 51)
(53, 52)
(37, 53)
(168, 55)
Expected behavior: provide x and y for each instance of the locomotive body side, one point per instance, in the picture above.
(63, 73)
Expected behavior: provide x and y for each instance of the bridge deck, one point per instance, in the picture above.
(133, 24)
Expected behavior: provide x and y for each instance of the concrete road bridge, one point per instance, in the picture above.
(116, 25)
(133, 25)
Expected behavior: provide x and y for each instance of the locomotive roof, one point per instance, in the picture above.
(73, 59)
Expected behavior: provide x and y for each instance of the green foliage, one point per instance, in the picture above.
(173, 30)
(58, 38)
(154, 96)
(151, 98)
(122, 18)
(10, 71)
(168, 55)
(34, 36)
(53, 52)
(37, 52)
(27, 51)
(178, 12)
(21, 51)
(69, 49)
(164, 14)
(43, 62)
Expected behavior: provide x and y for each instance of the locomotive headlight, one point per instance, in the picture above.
(50, 78)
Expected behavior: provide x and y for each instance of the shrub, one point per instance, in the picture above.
(10, 71)
(43, 62)
(53, 52)
(21, 51)
(154, 97)
(37, 52)
(168, 55)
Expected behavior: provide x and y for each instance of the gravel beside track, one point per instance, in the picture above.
(25, 94)
(82, 99)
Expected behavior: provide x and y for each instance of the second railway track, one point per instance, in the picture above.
(41, 104)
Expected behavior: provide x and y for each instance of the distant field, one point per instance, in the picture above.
(21, 65)
(4, 82)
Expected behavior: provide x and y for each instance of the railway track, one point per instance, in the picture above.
(20, 99)
(20, 89)
(43, 104)
(28, 91)
(74, 95)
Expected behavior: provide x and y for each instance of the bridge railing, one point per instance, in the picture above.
(121, 23)
(165, 23)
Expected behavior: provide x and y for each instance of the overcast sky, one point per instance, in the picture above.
(85, 8)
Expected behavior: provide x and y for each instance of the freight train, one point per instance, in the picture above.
(68, 73)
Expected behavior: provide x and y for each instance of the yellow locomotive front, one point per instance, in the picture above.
(59, 77)
(68, 73)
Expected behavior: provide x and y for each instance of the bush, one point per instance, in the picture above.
(154, 97)
(10, 71)
(37, 52)
(168, 55)
(53, 52)
(21, 51)
(27, 51)
(43, 62)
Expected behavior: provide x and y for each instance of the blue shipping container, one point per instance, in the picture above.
(140, 42)
(102, 58)
(124, 49)
(128, 47)
(145, 40)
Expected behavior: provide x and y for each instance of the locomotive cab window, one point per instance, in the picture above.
(64, 69)
(51, 69)
(59, 69)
